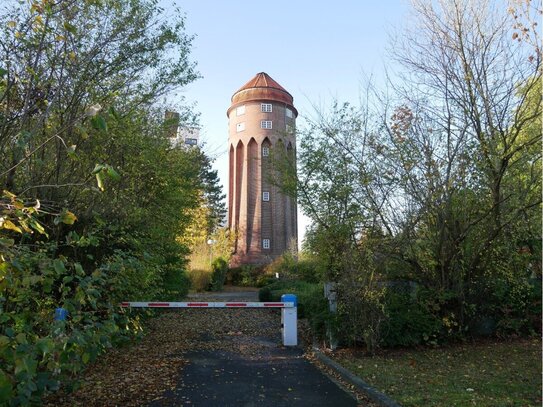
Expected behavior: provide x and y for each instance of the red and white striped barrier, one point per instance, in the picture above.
(207, 305)
(289, 311)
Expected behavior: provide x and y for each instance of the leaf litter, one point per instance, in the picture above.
(142, 372)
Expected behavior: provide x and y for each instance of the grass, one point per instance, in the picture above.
(482, 374)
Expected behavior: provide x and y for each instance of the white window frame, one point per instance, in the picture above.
(240, 127)
(265, 151)
(265, 196)
(266, 107)
(289, 113)
(266, 244)
(266, 124)
(240, 110)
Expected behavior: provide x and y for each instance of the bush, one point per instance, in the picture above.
(246, 276)
(512, 301)
(200, 280)
(361, 313)
(38, 353)
(218, 276)
(409, 321)
(305, 269)
(311, 302)
(284, 266)
(309, 270)
(265, 294)
(263, 280)
(176, 284)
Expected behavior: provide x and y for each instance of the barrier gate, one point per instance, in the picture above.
(288, 305)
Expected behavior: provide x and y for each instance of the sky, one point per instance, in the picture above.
(317, 50)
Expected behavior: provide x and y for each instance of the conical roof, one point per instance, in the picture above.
(262, 80)
(262, 87)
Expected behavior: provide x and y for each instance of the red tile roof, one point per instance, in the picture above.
(262, 87)
(262, 80)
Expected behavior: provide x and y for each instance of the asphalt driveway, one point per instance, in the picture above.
(250, 368)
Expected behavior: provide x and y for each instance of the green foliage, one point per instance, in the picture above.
(212, 193)
(265, 294)
(246, 276)
(511, 300)
(176, 283)
(200, 280)
(37, 353)
(409, 321)
(218, 276)
(433, 183)
(306, 268)
(311, 302)
(361, 314)
(95, 194)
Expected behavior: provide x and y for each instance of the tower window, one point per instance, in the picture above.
(265, 151)
(289, 113)
(240, 127)
(266, 107)
(289, 128)
(240, 110)
(265, 124)
(265, 196)
(265, 243)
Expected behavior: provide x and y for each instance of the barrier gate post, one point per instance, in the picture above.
(289, 321)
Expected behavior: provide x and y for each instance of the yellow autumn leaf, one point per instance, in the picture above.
(7, 224)
(68, 217)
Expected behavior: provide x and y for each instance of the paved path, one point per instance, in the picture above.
(250, 370)
(206, 357)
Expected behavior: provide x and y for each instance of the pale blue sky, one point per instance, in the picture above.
(317, 50)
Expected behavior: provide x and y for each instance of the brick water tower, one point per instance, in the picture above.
(261, 123)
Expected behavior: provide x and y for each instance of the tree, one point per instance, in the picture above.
(439, 177)
(212, 193)
(476, 82)
(95, 193)
(63, 62)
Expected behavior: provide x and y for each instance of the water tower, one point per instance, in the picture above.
(261, 123)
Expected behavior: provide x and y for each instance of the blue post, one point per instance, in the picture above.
(290, 298)
(61, 314)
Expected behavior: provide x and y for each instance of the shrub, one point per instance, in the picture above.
(245, 276)
(263, 280)
(309, 270)
(37, 353)
(200, 280)
(409, 321)
(284, 265)
(265, 294)
(176, 284)
(218, 276)
(361, 313)
(311, 302)
(509, 300)
(233, 275)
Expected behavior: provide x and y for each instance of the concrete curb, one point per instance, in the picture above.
(373, 394)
